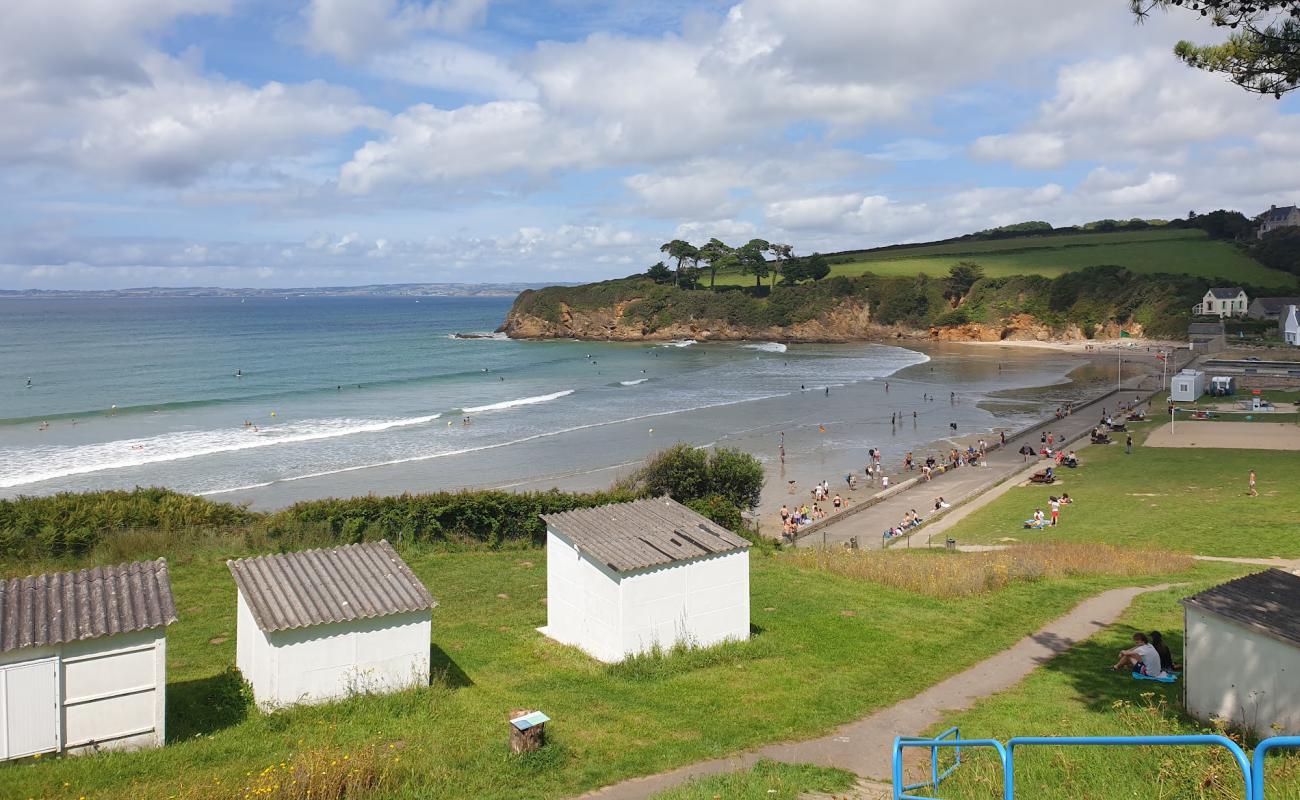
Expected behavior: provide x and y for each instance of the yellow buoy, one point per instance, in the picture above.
(273, 413)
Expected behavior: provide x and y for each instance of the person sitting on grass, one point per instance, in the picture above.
(1167, 664)
(1037, 521)
(1065, 499)
(1141, 658)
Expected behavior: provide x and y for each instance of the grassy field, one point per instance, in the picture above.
(827, 649)
(1186, 500)
(1177, 251)
(767, 780)
(1076, 694)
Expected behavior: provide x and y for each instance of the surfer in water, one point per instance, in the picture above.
(29, 383)
(239, 373)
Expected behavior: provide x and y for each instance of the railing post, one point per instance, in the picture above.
(1257, 763)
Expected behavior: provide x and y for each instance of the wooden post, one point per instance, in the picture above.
(529, 740)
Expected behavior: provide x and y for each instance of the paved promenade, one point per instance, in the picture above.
(959, 486)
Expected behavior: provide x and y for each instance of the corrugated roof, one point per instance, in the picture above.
(63, 607)
(643, 533)
(1267, 601)
(1225, 292)
(314, 587)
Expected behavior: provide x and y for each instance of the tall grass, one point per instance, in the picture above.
(942, 574)
(323, 773)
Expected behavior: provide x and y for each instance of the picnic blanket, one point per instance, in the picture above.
(1170, 677)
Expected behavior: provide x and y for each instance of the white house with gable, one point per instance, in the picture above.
(1290, 325)
(1241, 653)
(83, 659)
(625, 577)
(1222, 301)
(317, 625)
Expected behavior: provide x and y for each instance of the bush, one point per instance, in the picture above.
(686, 474)
(1280, 249)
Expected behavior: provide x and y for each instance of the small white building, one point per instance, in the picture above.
(625, 577)
(83, 659)
(318, 625)
(1187, 386)
(1290, 325)
(1222, 301)
(1241, 653)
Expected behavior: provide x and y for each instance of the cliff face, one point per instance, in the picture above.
(1028, 328)
(850, 320)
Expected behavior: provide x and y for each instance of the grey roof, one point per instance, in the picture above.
(1225, 292)
(62, 607)
(643, 533)
(1278, 213)
(1267, 601)
(1206, 328)
(1276, 305)
(341, 584)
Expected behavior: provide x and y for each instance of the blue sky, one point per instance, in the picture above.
(334, 142)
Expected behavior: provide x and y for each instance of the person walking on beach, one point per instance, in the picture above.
(1253, 492)
(1128, 444)
(828, 391)
(1003, 435)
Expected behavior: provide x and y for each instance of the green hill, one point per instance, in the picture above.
(1176, 251)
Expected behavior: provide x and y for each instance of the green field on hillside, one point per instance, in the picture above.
(1177, 251)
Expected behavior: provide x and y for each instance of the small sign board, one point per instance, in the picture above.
(529, 720)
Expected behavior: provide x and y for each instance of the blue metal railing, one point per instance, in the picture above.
(901, 790)
(1257, 763)
(1252, 771)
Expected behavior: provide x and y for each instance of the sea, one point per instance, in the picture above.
(268, 401)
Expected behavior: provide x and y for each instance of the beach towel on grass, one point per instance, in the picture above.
(1171, 677)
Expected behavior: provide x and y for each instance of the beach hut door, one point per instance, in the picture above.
(29, 708)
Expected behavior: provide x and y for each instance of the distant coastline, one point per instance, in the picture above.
(369, 290)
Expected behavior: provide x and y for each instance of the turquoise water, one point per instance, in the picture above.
(273, 400)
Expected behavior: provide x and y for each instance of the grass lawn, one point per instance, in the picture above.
(1186, 500)
(767, 780)
(827, 650)
(1076, 694)
(1177, 251)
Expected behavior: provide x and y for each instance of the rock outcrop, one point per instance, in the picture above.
(848, 321)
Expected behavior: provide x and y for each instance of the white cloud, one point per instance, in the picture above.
(448, 65)
(353, 29)
(1145, 107)
(1034, 150)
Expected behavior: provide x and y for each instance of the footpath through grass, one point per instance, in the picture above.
(1076, 694)
(827, 649)
(1185, 500)
(766, 780)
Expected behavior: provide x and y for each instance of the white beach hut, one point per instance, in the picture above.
(1241, 651)
(318, 625)
(624, 577)
(1187, 386)
(83, 659)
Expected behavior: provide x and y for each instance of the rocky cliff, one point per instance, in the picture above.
(850, 320)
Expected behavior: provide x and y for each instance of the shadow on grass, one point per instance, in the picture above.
(206, 705)
(1087, 665)
(443, 670)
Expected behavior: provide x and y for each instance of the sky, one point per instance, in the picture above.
(267, 143)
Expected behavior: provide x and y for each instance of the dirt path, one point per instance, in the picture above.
(863, 747)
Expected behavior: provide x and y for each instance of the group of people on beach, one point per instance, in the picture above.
(910, 520)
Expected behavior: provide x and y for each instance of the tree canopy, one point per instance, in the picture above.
(1262, 51)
